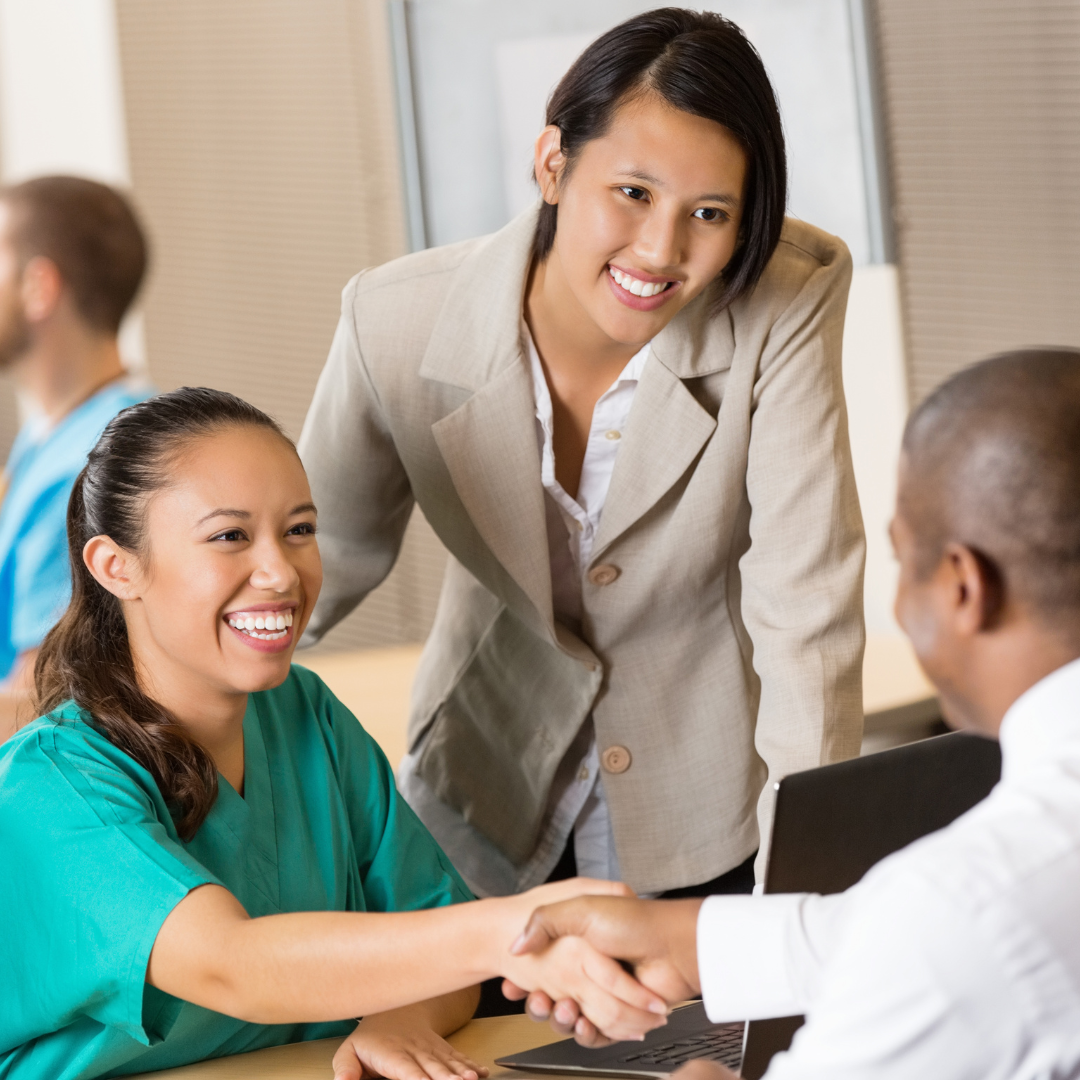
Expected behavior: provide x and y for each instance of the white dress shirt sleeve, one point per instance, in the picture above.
(898, 979)
(761, 956)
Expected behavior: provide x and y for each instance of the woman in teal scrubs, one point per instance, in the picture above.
(200, 846)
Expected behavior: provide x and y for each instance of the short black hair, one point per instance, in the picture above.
(91, 232)
(992, 461)
(702, 64)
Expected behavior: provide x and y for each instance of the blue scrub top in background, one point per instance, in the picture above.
(35, 579)
(91, 865)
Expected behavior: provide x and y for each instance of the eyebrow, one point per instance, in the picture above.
(729, 200)
(303, 508)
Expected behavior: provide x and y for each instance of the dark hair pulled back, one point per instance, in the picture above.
(703, 64)
(86, 656)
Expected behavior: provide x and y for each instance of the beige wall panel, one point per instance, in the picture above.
(983, 108)
(264, 155)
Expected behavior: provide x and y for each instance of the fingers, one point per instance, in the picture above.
(346, 1063)
(539, 1006)
(617, 981)
(618, 1006)
(564, 1015)
(585, 1034)
(512, 991)
(421, 1057)
(569, 918)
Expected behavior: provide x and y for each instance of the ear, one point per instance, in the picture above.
(113, 568)
(976, 587)
(549, 162)
(41, 288)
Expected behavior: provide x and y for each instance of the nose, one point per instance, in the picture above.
(274, 570)
(659, 243)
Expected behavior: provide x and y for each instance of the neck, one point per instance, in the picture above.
(1003, 666)
(212, 716)
(66, 363)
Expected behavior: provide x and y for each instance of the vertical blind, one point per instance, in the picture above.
(982, 100)
(264, 158)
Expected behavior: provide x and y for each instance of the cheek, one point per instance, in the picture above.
(919, 621)
(591, 229)
(183, 603)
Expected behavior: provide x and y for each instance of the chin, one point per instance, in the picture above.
(263, 674)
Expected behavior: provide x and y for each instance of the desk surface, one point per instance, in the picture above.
(482, 1040)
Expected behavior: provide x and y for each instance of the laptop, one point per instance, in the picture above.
(830, 826)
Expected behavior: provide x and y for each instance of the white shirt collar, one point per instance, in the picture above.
(1042, 724)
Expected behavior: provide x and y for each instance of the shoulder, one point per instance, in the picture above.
(412, 287)
(60, 764)
(809, 267)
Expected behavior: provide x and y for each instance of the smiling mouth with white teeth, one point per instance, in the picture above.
(636, 286)
(265, 625)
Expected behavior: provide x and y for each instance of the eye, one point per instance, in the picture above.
(635, 193)
(305, 528)
(230, 536)
(710, 213)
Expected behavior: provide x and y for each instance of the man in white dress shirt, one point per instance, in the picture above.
(960, 955)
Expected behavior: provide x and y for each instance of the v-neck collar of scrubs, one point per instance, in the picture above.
(247, 823)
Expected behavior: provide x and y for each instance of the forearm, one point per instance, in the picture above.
(315, 966)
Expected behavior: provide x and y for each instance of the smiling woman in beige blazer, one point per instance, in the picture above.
(618, 689)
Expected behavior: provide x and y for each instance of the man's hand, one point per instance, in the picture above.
(659, 938)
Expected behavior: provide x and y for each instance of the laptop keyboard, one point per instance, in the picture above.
(724, 1045)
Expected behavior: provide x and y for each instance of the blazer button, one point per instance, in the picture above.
(616, 759)
(603, 575)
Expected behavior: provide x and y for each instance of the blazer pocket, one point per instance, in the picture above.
(499, 735)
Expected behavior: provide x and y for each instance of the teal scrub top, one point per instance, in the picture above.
(35, 579)
(91, 865)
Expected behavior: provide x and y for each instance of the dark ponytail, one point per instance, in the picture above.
(703, 64)
(86, 657)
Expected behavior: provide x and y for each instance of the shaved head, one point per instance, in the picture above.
(991, 460)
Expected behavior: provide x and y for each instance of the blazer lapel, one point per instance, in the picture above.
(489, 446)
(667, 428)
(489, 442)
(665, 432)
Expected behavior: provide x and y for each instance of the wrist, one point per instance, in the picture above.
(678, 927)
(497, 923)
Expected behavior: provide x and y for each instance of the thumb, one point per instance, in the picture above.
(548, 923)
(347, 1065)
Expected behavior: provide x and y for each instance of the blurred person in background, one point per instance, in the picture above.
(72, 257)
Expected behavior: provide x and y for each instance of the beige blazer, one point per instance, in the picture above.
(723, 629)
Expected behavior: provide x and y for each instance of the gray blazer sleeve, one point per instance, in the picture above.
(803, 572)
(358, 482)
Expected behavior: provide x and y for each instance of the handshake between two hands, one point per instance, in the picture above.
(600, 964)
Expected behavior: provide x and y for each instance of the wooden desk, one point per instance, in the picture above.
(482, 1040)
(375, 684)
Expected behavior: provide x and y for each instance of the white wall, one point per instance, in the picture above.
(876, 392)
(61, 103)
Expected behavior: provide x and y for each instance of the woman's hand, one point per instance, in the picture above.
(402, 1044)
